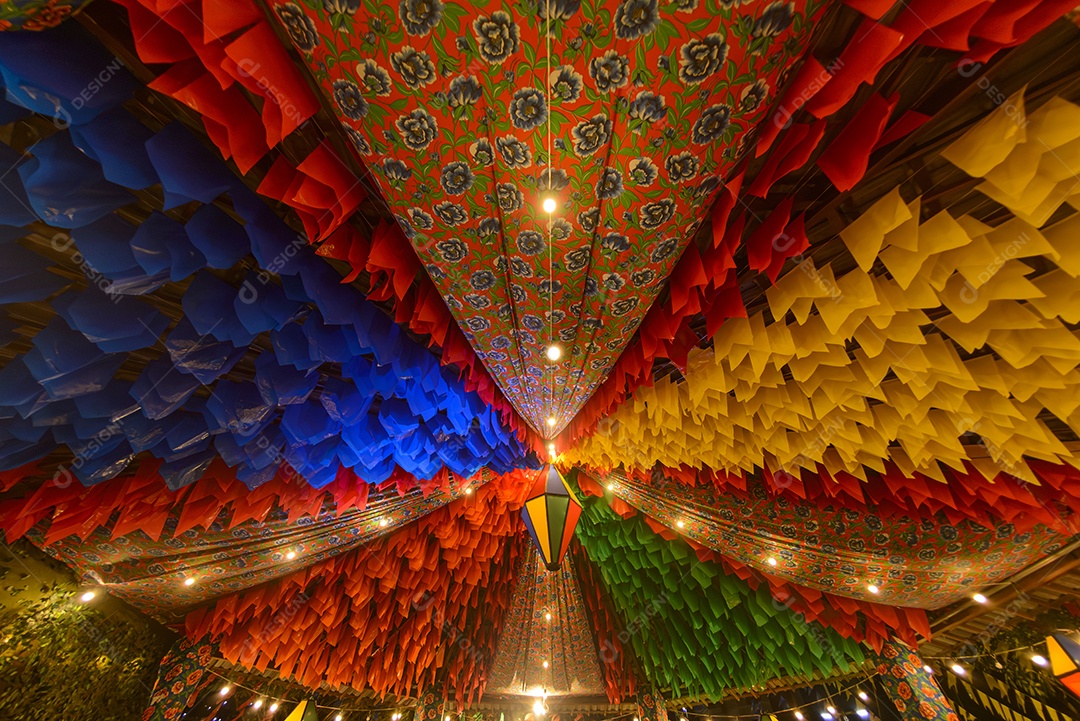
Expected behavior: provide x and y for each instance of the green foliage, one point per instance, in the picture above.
(62, 659)
(695, 629)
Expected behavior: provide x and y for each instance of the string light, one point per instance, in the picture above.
(771, 561)
(680, 524)
(538, 707)
(546, 664)
(273, 707)
(862, 713)
(258, 703)
(290, 555)
(338, 717)
(1039, 660)
(547, 616)
(830, 709)
(979, 598)
(383, 523)
(958, 669)
(872, 588)
(926, 667)
(554, 352)
(611, 486)
(551, 421)
(189, 581)
(799, 716)
(224, 690)
(87, 597)
(468, 491)
(863, 696)
(549, 205)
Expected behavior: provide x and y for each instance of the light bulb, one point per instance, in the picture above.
(554, 352)
(257, 704)
(680, 524)
(830, 709)
(224, 690)
(338, 717)
(87, 597)
(927, 668)
(290, 555)
(611, 486)
(383, 523)
(771, 561)
(1038, 660)
(958, 669)
(551, 421)
(547, 616)
(798, 715)
(546, 664)
(273, 707)
(979, 598)
(549, 204)
(468, 491)
(446, 718)
(826, 716)
(862, 713)
(538, 707)
(872, 588)
(189, 581)
(863, 696)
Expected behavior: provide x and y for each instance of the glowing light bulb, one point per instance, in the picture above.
(863, 696)
(771, 561)
(798, 715)
(273, 707)
(547, 616)
(257, 704)
(862, 713)
(383, 523)
(224, 690)
(549, 205)
(830, 709)
(1038, 660)
(958, 669)
(546, 664)
(872, 588)
(468, 491)
(979, 598)
(928, 669)
(446, 718)
(554, 352)
(189, 581)
(87, 597)
(611, 486)
(538, 707)
(338, 717)
(290, 555)
(680, 524)
(551, 421)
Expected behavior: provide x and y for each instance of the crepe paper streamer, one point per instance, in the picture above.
(687, 602)
(846, 158)
(548, 618)
(800, 538)
(939, 262)
(860, 61)
(798, 144)
(449, 572)
(1064, 652)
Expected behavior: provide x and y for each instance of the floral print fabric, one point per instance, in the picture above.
(630, 123)
(912, 689)
(37, 14)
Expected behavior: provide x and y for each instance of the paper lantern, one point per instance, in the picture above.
(304, 711)
(551, 514)
(1064, 655)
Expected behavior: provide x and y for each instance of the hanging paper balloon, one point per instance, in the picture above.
(551, 513)
(1064, 654)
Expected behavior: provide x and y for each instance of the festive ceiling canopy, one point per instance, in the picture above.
(297, 358)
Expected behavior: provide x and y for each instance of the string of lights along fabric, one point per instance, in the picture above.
(552, 360)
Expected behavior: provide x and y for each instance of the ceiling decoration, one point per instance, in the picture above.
(998, 355)
(686, 611)
(389, 615)
(217, 533)
(906, 562)
(132, 357)
(821, 123)
(551, 649)
(551, 513)
(217, 59)
(630, 115)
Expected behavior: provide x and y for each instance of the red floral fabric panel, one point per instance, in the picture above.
(649, 107)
